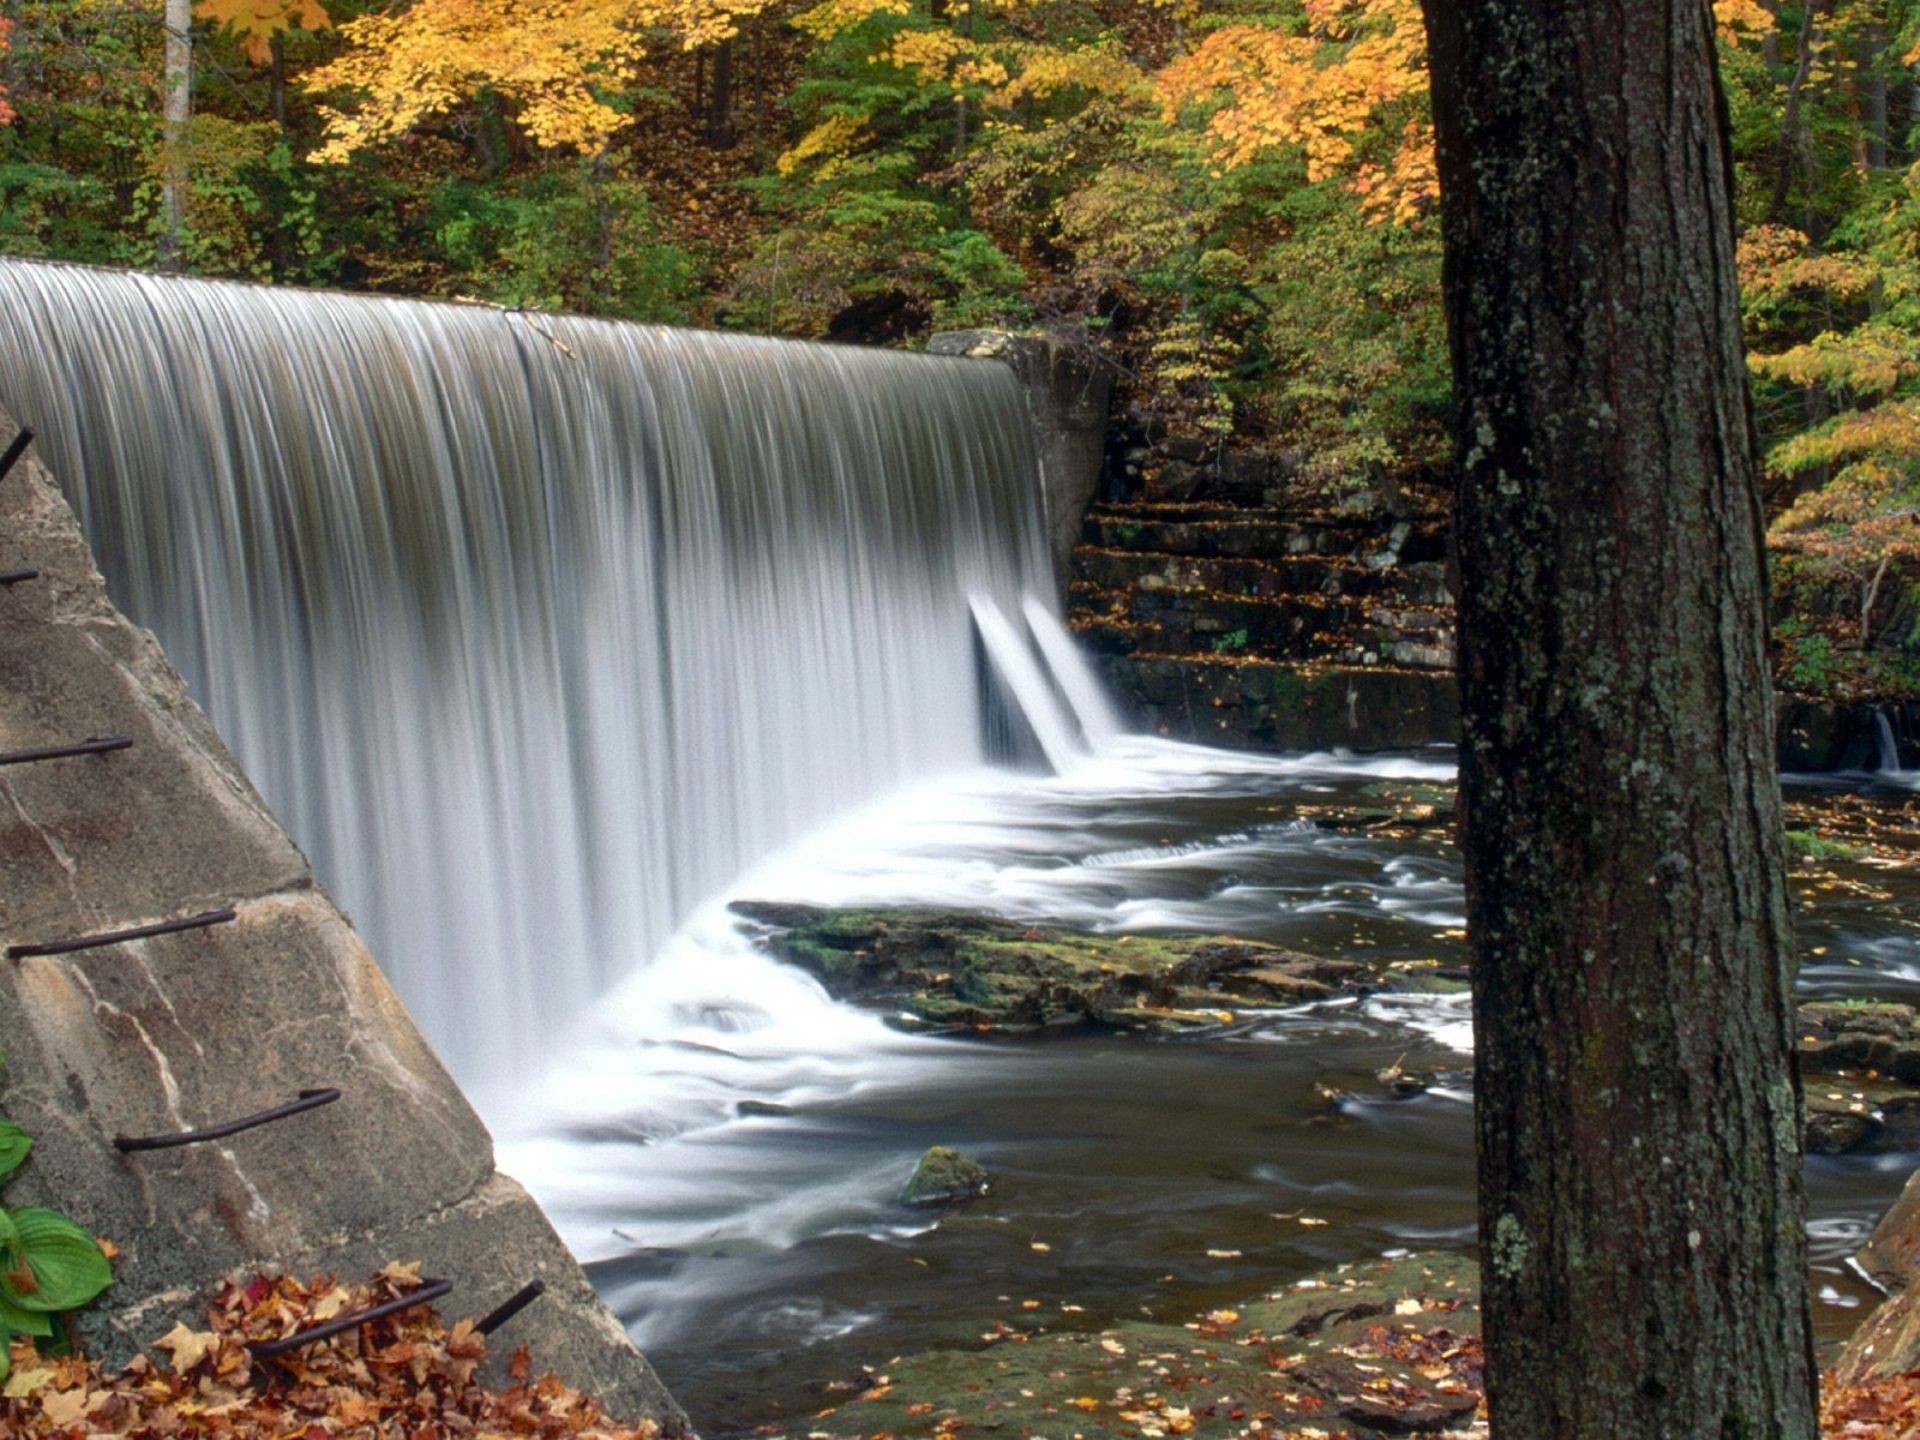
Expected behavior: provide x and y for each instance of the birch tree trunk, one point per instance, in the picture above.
(176, 119)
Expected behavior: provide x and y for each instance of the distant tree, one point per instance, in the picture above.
(1638, 1107)
(176, 110)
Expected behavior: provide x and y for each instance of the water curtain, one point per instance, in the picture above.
(533, 630)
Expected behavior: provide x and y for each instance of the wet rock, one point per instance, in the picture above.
(766, 1108)
(1837, 1129)
(1888, 1342)
(989, 975)
(1845, 1036)
(944, 1177)
(1386, 1348)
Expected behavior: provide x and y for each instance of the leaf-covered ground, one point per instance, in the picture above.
(1387, 1349)
(407, 1377)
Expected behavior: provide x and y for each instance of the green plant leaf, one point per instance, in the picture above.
(67, 1266)
(17, 1321)
(14, 1145)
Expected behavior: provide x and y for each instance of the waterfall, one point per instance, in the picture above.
(533, 630)
(1886, 747)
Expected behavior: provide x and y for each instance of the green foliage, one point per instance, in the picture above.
(48, 1265)
(568, 238)
(1808, 845)
(1230, 642)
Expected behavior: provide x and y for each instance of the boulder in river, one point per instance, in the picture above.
(943, 969)
(943, 1177)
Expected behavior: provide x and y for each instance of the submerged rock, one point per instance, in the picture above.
(960, 971)
(943, 1177)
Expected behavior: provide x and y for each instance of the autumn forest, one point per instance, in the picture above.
(1233, 203)
(1317, 661)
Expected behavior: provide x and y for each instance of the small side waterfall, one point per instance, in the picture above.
(535, 631)
(1886, 747)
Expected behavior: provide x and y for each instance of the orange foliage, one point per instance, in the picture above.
(1317, 92)
(406, 1375)
(256, 22)
(1320, 90)
(6, 110)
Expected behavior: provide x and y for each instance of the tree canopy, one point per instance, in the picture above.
(1233, 203)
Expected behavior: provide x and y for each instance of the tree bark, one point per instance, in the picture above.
(1870, 72)
(176, 118)
(1638, 1105)
(970, 32)
(1789, 148)
(720, 133)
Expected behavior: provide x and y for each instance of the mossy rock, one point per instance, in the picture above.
(944, 1177)
(958, 971)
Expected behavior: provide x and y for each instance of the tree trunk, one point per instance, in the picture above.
(969, 31)
(277, 94)
(720, 114)
(176, 118)
(1638, 1105)
(1871, 75)
(1789, 148)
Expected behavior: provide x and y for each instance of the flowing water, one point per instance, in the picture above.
(533, 631)
(546, 637)
(762, 1257)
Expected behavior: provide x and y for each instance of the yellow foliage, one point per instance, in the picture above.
(831, 17)
(832, 140)
(1737, 17)
(1863, 361)
(545, 57)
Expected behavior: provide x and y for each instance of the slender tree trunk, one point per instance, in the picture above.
(720, 114)
(761, 123)
(1638, 1106)
(1788, 153)
(969, 31)
(278, 82)
(1871, 75)
(176, 120)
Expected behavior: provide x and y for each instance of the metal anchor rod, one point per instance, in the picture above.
(115, 937)
(99, 746)
(309, 1100)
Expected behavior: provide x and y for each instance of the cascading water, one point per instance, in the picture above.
(534, 631)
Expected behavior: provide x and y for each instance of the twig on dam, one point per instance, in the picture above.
(14, 451)
(115, 937)
(14, 577)
(309, 1100)
(511, 1306)
(268, 1349)
(99, 745)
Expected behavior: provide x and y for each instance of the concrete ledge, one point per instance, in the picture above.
(192, 1029)
(1069, 399)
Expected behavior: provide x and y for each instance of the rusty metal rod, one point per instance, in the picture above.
(14, 452)
(309, 1100)
(99, 745)
(114, 937)
(267, 1349)
(511, 1306)
(14, 577)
